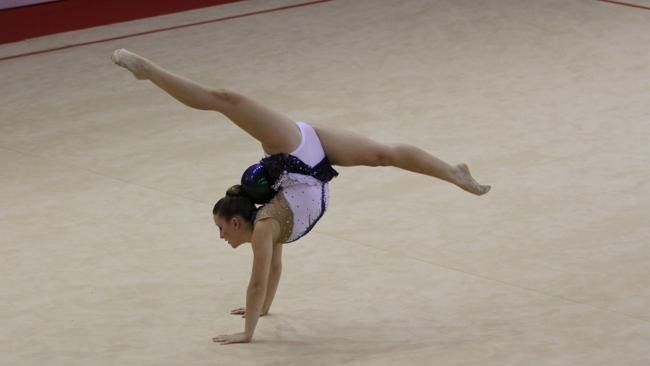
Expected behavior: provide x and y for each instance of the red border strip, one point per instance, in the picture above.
(61, 16)
(626, 4)
(165, 29)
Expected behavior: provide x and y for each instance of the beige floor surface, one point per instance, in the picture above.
(108, 251)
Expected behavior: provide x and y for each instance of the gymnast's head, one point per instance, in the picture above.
(233, 215)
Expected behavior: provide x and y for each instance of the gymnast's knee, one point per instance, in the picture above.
(225, 97)
(385, 155)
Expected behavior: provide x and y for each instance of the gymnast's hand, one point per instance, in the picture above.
(231, 338)
(242, 312)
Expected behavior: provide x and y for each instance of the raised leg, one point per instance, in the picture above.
(276, 132)
(346, 148)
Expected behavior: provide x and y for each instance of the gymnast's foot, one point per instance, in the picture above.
(465, 181)
(132, 62)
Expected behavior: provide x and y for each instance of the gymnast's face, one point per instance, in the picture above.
(233, 231)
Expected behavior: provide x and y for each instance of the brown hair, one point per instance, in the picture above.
(236, 203)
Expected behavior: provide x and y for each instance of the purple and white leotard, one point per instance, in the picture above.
(301, 179)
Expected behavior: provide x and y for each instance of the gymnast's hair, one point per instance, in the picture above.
(236, 203)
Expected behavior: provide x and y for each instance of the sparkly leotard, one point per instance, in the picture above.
(301, 179)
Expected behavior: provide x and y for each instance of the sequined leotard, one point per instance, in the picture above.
(301, 179)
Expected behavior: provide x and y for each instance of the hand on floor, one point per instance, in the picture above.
(231, 338)
(242, 312)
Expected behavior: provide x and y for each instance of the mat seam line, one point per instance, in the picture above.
(527, 289)
(165, 29)
(87, 170)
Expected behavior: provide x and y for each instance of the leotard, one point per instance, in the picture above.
(301, 179)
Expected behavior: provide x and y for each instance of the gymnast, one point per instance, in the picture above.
(290, 182)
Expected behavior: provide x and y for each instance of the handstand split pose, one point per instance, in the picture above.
(299, 160)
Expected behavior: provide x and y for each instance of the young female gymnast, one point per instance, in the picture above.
(298, 164)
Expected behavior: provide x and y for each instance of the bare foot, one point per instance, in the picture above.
(132, 62)
(465, 181)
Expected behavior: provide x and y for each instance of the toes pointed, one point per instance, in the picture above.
(115, 57)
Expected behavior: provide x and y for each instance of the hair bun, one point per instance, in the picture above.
(235, 191)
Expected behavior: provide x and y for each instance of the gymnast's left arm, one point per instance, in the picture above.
(262, 243)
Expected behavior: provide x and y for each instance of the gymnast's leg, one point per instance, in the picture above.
(279, 134)
(346, 148)
(276, 132)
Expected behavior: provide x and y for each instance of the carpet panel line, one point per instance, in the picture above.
(164, 29)
(87, 170)
(527, 289)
